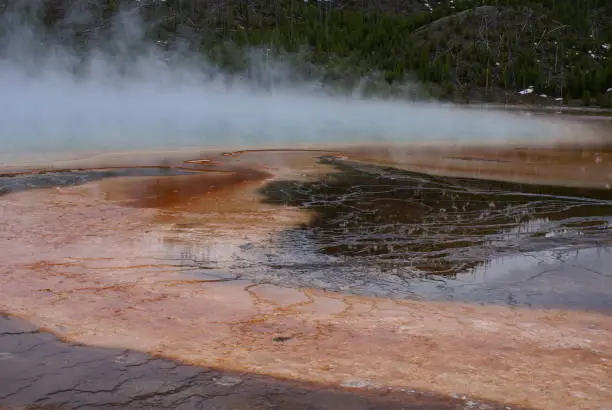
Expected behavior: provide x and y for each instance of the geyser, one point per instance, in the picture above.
(128, 93)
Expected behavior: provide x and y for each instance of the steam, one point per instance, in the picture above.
(128, 93)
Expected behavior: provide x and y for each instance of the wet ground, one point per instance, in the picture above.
(315, 266)
(382, 231)
(387, 232)
(64, 178)
(41, 372)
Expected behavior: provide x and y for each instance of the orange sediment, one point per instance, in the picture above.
(98, 264)
(582, 166)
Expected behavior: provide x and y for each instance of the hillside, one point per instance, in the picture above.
(555, 50)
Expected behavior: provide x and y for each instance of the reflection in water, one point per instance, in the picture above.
(375, 231)
(397, 219)
(113, 263)
(78, 377)
(385, 231)
(65, 178)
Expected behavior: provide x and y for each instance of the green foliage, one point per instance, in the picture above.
(495, 47)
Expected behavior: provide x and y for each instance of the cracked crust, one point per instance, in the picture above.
(51, 374)
(125, 291)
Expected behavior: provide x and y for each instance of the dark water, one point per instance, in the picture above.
(377, 231)
(37, 371)
(396, 233)
(18, 183)
(385, 232)
(398, 219)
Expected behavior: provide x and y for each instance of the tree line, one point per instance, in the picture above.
(462, 49)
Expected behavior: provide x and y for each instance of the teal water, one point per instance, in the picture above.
(172, 109)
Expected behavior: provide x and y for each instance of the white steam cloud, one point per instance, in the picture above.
(120, 100)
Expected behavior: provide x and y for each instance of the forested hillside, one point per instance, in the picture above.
(555, 51)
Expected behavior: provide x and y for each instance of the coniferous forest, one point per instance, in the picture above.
(558, 51)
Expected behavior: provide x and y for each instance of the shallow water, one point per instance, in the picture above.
(381, 231)
(54, 112)
(65, 178)
(386, 232)
(43, 372)
(215, 266)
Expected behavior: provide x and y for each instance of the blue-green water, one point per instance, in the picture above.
(55, 112)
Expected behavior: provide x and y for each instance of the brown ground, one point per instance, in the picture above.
(56, 375)
(80, 263)
(567, 163)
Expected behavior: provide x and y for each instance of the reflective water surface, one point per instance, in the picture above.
(381, 231)
(385, 231)
(316, 266)
(40, 370)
